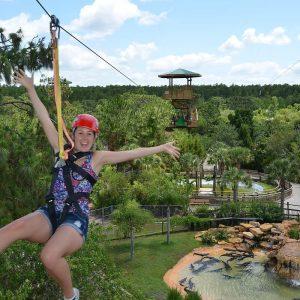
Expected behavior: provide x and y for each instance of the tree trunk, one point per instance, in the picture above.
(235, 194)
(131, 243)
(168, 225)
(282, 200)
(214, 178)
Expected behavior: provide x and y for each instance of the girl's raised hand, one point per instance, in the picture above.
(171, 149)
(21, 78)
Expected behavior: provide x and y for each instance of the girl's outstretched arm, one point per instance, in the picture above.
(114, 157)
(39, 108)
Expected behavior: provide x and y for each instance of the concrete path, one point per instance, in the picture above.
(295, 197)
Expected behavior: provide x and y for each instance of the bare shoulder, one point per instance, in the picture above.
(98, 160)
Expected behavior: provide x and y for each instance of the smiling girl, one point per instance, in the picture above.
(62, 224)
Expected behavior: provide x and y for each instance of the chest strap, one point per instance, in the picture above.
(67, 167)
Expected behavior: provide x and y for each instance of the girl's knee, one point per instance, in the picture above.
(48, 259)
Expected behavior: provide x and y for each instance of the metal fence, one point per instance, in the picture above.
(103, 216)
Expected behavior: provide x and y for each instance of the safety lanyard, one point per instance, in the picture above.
(61, 128)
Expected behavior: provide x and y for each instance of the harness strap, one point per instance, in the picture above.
(70, 166)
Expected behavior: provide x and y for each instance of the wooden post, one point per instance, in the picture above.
(102, 212)
(282, 200)
(168, 224)
(288, 210)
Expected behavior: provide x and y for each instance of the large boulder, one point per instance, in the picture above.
(266, 227)
(256, 231)
(248, 235)
(288, 261)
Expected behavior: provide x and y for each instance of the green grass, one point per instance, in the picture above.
(153, 257)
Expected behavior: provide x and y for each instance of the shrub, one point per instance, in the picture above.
(174, 294)
(267, 211)
(221, 235)
(203, 211)
(294, 233)
(208, 238)
(232, 209)
(22, 275)
(195, 223)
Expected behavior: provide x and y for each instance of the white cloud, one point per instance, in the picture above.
(77, 58)
(276, 37)
(103, 17)
(137, 50)
(232, 43)
(30, 28)
(192, 60)
(266, 68)
(147, 18)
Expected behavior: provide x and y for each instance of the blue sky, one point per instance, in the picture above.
(227, 41)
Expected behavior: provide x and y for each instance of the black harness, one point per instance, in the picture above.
(68, 166)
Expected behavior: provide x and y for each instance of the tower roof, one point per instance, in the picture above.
(179, 73)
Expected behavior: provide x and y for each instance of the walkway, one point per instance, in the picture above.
(295, 197)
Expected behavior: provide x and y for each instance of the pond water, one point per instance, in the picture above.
(255, 186)
(247, 280)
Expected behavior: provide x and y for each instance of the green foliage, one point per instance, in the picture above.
(267, 211)
(232, 209)
(143, 122)
(23, 276)
(154, 186)
(111, 188)
(14, 55)
(294, 233)
(203, 211)
(174, 294)
(130, 217)
(208, 238)
(221, 235)
(192, 296)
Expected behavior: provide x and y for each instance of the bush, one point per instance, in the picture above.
(203, 211)
(268, 211)
(174, 294)
(195, 223)
(221, 235)
(232, 209)
(22, 275)
(208, 238)
(294, 233)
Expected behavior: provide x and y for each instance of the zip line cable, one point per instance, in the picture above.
(285, 70)
(94, 52)
(280, 74)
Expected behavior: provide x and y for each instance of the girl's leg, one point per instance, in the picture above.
(33, 227)
(65, 241)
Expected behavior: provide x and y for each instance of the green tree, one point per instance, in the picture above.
(232, 177)
(35, 56)
(130, 218)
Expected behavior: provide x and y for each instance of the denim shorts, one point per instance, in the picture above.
(79, 223)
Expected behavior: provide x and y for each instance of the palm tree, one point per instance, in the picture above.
(232, 177)
(280, 169)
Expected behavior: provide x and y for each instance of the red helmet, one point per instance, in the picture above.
(86, 120)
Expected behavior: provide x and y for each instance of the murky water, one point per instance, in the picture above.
(247, 280)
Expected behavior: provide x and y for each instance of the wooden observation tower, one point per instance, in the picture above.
(182, 98)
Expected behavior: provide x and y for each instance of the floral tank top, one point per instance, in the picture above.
(80, 185)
